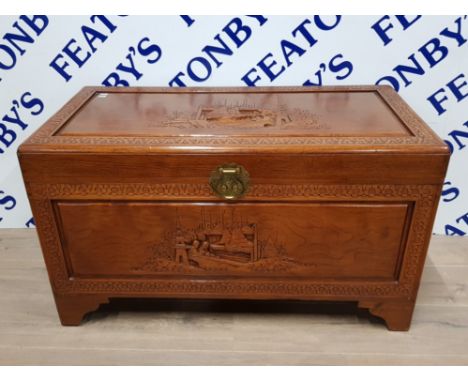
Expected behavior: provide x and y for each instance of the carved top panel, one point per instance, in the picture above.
(230, 118)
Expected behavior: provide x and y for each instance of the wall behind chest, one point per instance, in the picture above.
(45, 60)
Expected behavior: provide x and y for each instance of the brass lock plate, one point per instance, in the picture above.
(230, 181)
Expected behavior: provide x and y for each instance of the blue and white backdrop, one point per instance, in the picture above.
(45, 60)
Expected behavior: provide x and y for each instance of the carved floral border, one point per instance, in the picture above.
(425, 198)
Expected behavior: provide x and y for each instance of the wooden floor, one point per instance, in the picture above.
(228, 333)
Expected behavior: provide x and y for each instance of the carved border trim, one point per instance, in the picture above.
(203, 190)
(424, 197)
(422, 134)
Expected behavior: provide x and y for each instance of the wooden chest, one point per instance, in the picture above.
(236, 193)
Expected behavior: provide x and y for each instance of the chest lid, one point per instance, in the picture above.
(235, 120)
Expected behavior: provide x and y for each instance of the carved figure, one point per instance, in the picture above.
(194, 249)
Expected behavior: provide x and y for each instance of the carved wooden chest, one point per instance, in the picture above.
(235, 193)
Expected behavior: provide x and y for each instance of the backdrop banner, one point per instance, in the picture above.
(45, 60)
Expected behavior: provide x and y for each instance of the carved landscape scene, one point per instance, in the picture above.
(220, 241)
(244, 116)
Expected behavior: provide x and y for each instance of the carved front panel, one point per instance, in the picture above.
(310, 240)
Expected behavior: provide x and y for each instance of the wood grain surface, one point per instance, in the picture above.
(343, 186)
(236, 119)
